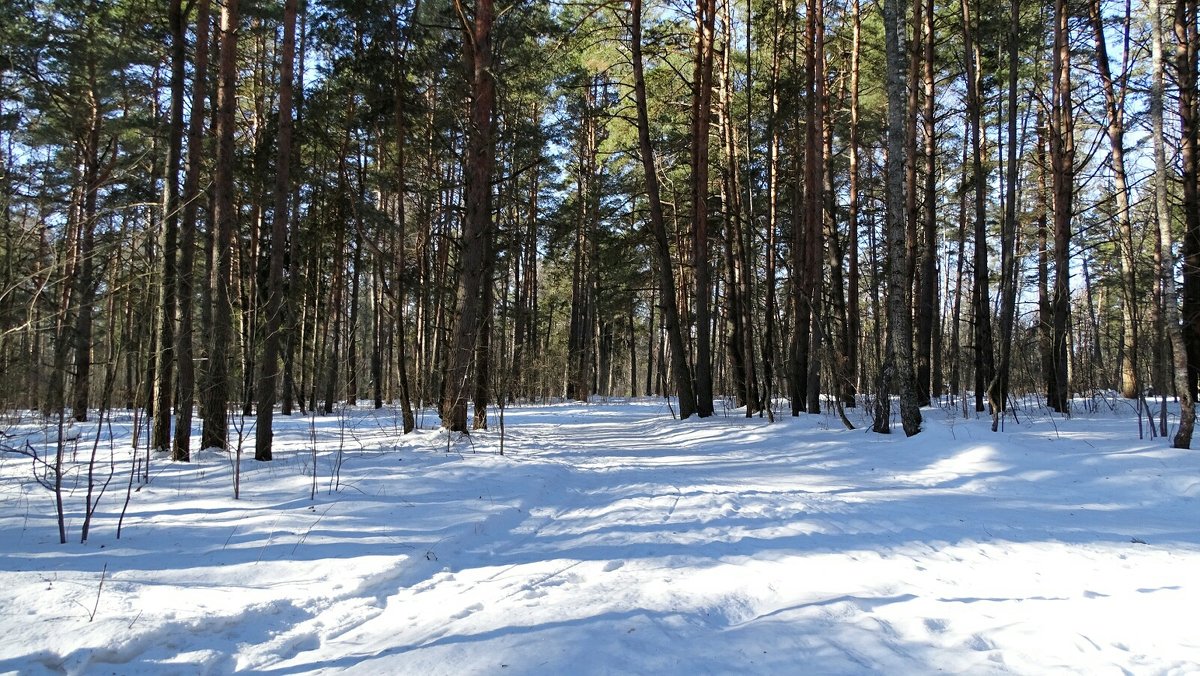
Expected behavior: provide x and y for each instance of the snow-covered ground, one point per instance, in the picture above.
(610, 538)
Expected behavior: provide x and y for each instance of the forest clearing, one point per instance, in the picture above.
(465, 336)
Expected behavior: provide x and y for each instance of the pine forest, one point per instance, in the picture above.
(220, 213)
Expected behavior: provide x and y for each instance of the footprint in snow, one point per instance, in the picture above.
(467, 612)
(535, 594)
(981, 644)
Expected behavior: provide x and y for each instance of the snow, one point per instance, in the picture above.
(610, 538)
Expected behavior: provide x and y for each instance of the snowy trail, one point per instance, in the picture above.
(611, 539)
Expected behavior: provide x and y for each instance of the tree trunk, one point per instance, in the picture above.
(85, 284)
(927, 383)
(160, 438)
(853, 309)
(217, 377)
(701, 118)
(814, 199)
(336, 309)
(981, 305)
(1062, 164)
(352, 320)
(186, 381)
(956, 363)
(1114, 100)
(899, 299)
(658, 229)
(998, 388)
(1189, 130)
(477, 226)
(1170, 308)
(274, 309)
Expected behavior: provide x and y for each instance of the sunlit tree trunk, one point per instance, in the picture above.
(1062, 177)
(477, 226)
(853, 309)
(186, 381)
(701, 119)
(1114, 99)
(899, 305)
(217, 377)
(814, 200)
(274, 309)
(981, 305)
(658, 230)
(1189, 130)
(998, 387)
(927, 287)
(160, 437)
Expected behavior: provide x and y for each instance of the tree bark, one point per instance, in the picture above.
(899, 299)
(160, 437)
(217, 377)
(853, 309)
(477, 226)
(981, 305)
(657, 226)
(701, 120)
(814, 200)
(927, 287)
(186, 380)
(1189, 130)
(274, 308)
(998, 388)
(1114, 99)
(1062, 164)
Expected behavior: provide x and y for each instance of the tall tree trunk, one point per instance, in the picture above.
(745, 244)
(912, 150)
(402, 40)
(160, 438)
(85, 284)
(332, 352)
(477, 227)
(771, 306)
(836, 333)
(186, 381)
(1114, 99)
(1186, 48)
(814, 198)
(1062, 163)
(956, 364)
(739, 303)
(66, 261)
(1165, 319)
(998, 388)
(483, 358)
(217, 377)
(853, 309)
(290, 393)
(583, 292)
(352, 323)
(1045, 304)
(899, 304)
(701, 265)
(274, 310)
(1171, 317)
(927, 384)
(524, 333)
(981, 305)
(658, 229)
